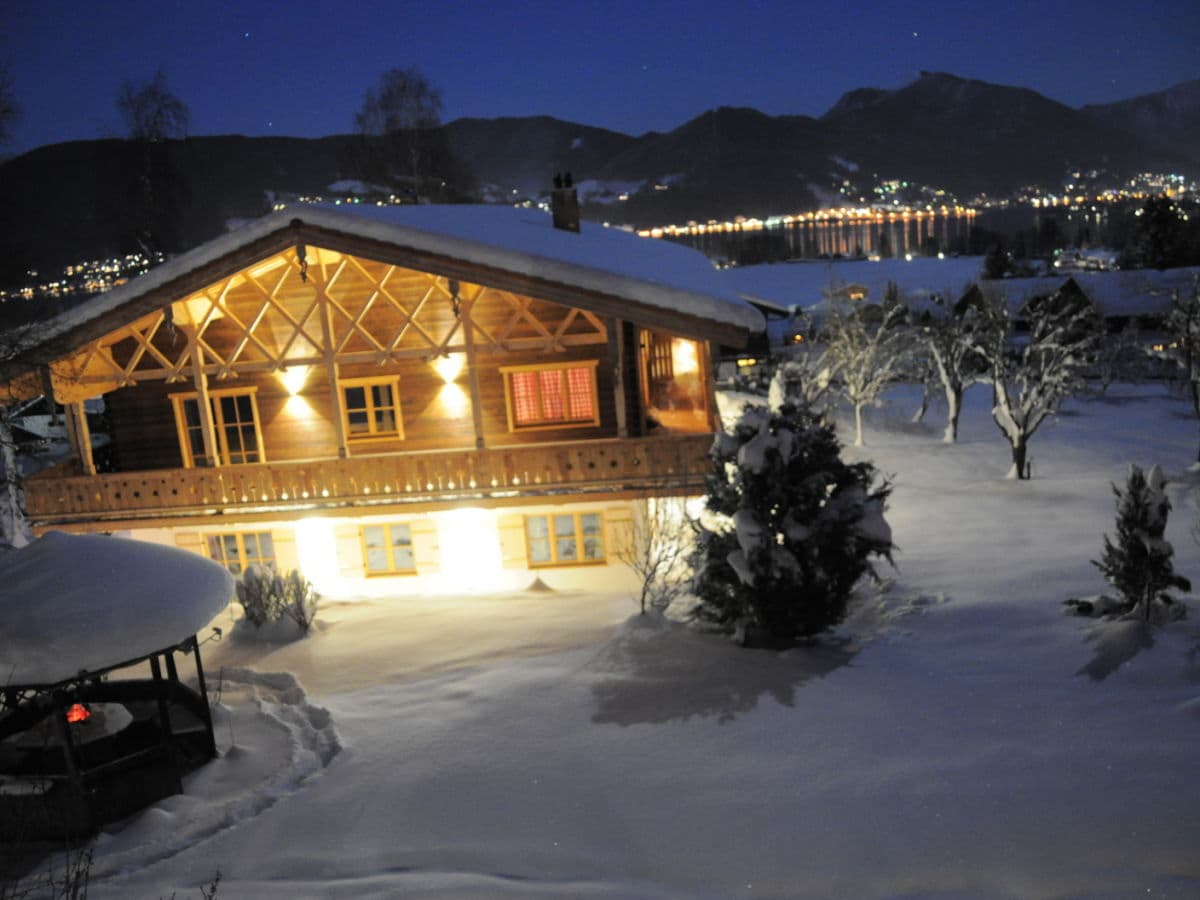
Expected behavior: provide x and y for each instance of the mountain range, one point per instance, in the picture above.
(67, 202)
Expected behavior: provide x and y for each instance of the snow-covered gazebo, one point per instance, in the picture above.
(95, 721)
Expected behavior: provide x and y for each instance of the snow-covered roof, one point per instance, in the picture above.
(1120, 293)
(519, 241)
(70, 603)
(806, 284)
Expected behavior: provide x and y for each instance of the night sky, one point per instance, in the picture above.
(300, 68)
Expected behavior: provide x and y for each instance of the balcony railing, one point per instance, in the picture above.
(667, 464)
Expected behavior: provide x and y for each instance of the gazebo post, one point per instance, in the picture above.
(79, 797)
(204, 707)
(161, 697)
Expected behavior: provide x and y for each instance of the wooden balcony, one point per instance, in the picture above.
(662, 465)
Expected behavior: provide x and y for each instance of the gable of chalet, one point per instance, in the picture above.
(278, 292)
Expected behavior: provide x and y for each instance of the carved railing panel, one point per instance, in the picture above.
(666, 464)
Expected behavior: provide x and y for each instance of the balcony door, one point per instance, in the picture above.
(235, 423)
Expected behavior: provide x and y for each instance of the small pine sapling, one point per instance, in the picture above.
(790, 528)
(266, 597)
(1138, 563)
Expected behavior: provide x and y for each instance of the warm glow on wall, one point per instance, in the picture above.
(316, 549)
(684, 358)
(470, 547)
(454, 400)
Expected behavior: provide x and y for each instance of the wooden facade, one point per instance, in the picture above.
(320, 373)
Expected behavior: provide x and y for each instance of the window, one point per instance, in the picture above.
(564, 539)
(237, 551)
(235, 424)
(372, 408)
(388, 549)
(547, 396)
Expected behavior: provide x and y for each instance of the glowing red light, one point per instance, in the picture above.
(78, 713)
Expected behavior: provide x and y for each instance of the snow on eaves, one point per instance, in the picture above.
(515, 240)
(70, 603)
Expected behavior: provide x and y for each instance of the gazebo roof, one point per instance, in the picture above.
(82, 603)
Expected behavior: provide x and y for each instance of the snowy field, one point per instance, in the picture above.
(949, 742)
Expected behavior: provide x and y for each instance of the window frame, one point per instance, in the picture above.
(182, 429)
(389, 545)
(240, 538)
(543, 424)
(552, 537)
(390, 381)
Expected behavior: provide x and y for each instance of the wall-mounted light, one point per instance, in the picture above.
(293, 379)
(450, 366)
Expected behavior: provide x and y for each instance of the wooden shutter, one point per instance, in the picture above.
(191, 540)
(347, 548)
(426, 551)
(512, 542)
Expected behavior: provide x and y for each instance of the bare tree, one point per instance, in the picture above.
(867, 348)
(151, 110)
(9, 110)
(1183, 344)
(805, 375)
(657, 549)
(154, 189)
(951, 335)
(396, 120)
(1033, 373)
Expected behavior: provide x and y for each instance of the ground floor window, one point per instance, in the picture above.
(564, 539)
(388, 549)
(238, 550)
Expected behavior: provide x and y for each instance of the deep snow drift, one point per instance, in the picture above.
(947, 742)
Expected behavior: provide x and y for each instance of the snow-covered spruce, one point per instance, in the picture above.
(1138, 565)
(791, 527)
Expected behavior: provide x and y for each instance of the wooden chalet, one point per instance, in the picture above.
(330, 387)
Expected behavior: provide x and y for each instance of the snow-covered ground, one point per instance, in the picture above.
(947, 743)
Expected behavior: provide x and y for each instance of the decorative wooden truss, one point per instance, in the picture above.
(310, 306)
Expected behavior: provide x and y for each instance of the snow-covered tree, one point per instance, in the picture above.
(790, 528)
(867, 346)
(952, 335)
(16, 343)
(1183, 342)
(1033, 372)
(1138, 564)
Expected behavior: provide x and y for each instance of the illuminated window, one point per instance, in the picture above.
(550, 396)
(235, 426)
(237, 551)
(371, 407)
(565, 539)
(388, 549)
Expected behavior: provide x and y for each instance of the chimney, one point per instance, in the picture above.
(564, 203)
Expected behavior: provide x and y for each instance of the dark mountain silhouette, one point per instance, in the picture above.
(63, 203)
(1169, 119)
